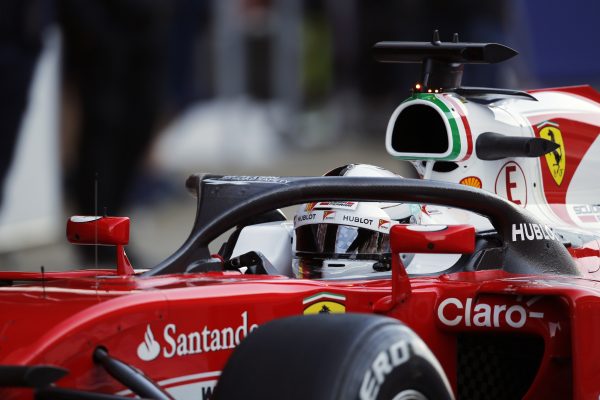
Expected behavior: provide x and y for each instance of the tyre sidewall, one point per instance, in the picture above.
(392, 363)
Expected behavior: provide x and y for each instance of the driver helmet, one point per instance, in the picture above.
(348, 239)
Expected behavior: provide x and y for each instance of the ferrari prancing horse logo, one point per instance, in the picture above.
(556, 158)
(325, 303)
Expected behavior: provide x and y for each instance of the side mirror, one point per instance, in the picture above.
(104, 231)
(449, 239)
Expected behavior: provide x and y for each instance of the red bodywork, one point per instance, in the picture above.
(196, 320)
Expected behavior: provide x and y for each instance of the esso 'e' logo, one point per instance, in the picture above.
(511, 183)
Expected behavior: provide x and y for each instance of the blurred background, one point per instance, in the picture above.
(106, 106)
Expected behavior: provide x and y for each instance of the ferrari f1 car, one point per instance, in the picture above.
(510, 312)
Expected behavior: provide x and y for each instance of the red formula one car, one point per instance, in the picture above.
(504, 303)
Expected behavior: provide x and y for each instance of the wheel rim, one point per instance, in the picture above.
(409, 395)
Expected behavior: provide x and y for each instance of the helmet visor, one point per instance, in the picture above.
(340, 240)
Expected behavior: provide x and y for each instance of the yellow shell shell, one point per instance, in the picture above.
(471, 181)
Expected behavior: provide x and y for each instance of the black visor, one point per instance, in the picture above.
(329, 239)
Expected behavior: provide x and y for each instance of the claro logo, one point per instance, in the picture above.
(203, 340)
(452, 312)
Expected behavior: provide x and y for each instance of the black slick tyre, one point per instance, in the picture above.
(333, 357)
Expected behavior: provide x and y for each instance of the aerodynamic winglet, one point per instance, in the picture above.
(443, 62)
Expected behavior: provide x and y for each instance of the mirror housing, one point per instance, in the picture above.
(448, 239)
(104, 231)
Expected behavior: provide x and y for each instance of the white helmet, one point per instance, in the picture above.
(343, 239)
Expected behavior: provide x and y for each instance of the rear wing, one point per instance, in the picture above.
(227, 201)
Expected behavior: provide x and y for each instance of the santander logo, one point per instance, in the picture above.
(204, 339)
(149, 349)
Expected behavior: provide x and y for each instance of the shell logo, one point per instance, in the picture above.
(471, 181)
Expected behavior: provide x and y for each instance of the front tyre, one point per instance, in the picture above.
(333, 357)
